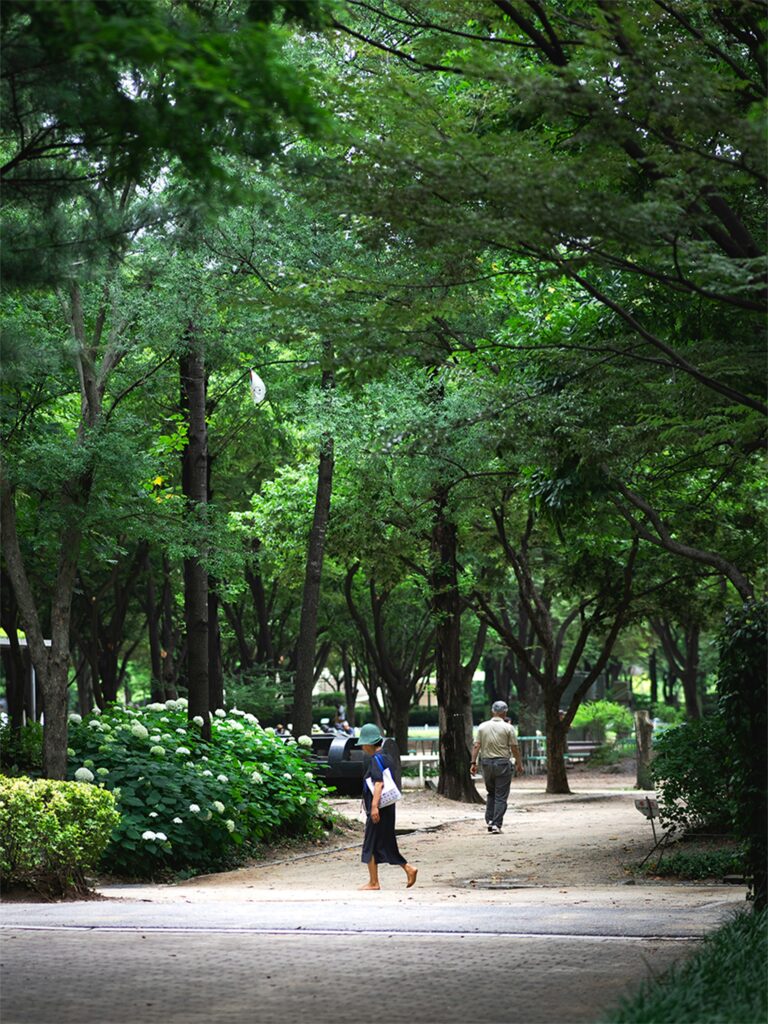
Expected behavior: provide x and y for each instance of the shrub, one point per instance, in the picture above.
(742, 688)
(51, 833)
(21, 750)
(188, 804)
(699, 864)
(723, 983)
(604, 716)
(690, 776)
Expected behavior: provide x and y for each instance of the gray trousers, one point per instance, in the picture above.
(497, 773)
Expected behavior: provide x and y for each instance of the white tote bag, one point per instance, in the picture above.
(390, 794)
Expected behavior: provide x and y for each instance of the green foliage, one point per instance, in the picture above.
(723, 983)
(189, 805)
(667, 714)
(690, 775)
(607, 716)
(701, 864)
(52, 833)
(743, 691)
(21, 750)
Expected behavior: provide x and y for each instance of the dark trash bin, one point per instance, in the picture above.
(340, 764)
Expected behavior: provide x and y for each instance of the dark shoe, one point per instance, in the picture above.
(495, 830)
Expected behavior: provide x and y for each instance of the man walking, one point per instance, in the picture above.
(496, 743)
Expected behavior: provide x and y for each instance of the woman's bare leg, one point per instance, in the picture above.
(411, 873)
(373, 875)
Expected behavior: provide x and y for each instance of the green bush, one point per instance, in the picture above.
(742, 688)
(690, 776)
(601, 716)
(699, 864)
(51, 833)
(187, 804)
(21, 750)
(723, 983)
(667, 714)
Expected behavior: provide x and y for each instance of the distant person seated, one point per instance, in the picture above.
(345, 728)
(280, 730)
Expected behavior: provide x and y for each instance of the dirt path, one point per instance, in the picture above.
(587, 839)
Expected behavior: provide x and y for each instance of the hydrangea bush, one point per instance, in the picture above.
(187, 804)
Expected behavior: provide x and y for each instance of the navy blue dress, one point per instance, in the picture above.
(379, 840)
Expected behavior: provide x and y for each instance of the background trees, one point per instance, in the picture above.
(500, 266)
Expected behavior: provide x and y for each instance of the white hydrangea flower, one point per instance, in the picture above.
(218, 806)
(198, 720)
(95, 711)
(302, 799)
(207, 773)
(155, 737)
(238, 726)
(149, 836)
(204, 757)
(182, 732)
(305, 741)
(84, 775)
(236, 711)
(156, 706)
(75, 718)
(171, 704)
(161, 836)
(183, 751)
(106, 727)
(194, 808)
(182, 703)
(70, 752)
(93, 724)
(269, 730)
(178, 821)
(165, 719)
(220, 713)
(308, 775)
(159, 751)
(139, 731)
(222, 778)
(230, 825)
(102, 771)
(88, 763)
(257, 778)
(153, 814)
(251, 719)
(287, 775)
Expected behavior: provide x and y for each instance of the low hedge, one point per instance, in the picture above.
(52, 833)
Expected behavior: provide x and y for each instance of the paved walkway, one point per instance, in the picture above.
(282, 943)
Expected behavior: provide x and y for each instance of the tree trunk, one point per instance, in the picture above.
(13, 660)
(195, 487)
(168, 635)
(454, 692)
(401, 706)
(644, 744)
(153, 633)
(305, 656)
(690, 673)
(653, 675)
(557, 777)
(215, 675)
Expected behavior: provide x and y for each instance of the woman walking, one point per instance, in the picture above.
(379, 842)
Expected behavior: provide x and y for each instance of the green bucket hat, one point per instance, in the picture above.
(369, 734)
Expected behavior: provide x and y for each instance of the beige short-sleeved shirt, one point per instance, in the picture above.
(496, 738)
